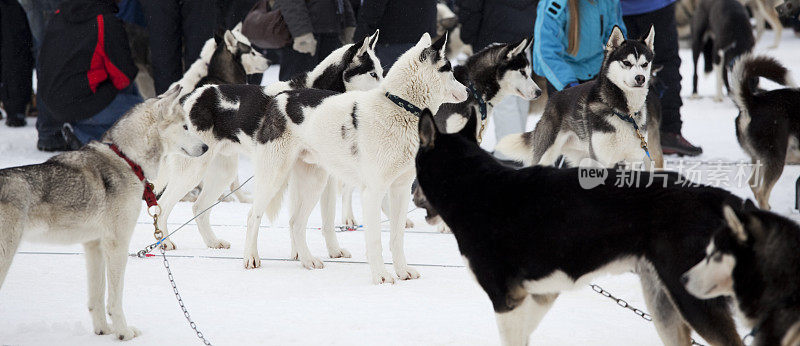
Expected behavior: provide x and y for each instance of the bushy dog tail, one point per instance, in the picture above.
(516, 147)
(745, 75)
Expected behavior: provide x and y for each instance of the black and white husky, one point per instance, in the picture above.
(768, 125)
(351, 67)
(754, 259)
(366, 139)
(497, 71)
(529, 234)
(606, 119)
(93, 196)
(721, 31)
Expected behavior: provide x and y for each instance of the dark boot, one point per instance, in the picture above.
(16, 120)
(675, 144)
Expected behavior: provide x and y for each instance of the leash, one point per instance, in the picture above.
(150, 198)
(408, 106)
(482, 108)
(630, 119)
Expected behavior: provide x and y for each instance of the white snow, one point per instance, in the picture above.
(43, 299)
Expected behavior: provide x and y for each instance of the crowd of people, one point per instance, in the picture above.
(85, 69)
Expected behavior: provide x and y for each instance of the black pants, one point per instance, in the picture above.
(178, 29)
(666, 49)
(294, 63)
(16, 58)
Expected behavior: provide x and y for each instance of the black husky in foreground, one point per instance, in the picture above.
(530, 234)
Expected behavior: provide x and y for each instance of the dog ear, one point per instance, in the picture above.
(373, 40)
(219, 35)
(616, 38)
(518, 48)
(427, 129)
(238, 27)
(470, 130)
(424, 41)
(440, 44)
(364, 47)
(650, 38)
(230, 41)
(734, 223)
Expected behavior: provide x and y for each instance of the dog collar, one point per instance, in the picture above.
(408, 106)
(148, 196)
(631, 120)
(478, 97)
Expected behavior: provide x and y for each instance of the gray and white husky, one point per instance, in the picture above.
(601, 119)
(92, 196)
(351, 67)
(366, 139)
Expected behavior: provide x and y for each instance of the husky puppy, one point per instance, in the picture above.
(366, 139)
(721, 31)
(754, 259)
(524, 249)
(92, 196)
(495, 72)
(604, 119)
(351, 67)
(768, 125)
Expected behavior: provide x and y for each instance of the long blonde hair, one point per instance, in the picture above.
(574, 33)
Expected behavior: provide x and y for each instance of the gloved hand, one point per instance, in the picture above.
(570, 85)
(347, 35)
(305, 44)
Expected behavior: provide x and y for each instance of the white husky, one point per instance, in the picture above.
(366, 139)
(92, 196)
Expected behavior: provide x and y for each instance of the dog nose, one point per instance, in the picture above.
(684, 279)
(640, 79)
(205, 148)
(537, 93)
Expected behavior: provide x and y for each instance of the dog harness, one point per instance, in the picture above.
(408, 106)
(630, 119)
(481, 107)
(148, 196)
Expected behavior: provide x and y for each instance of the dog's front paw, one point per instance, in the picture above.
(409, 223)
(339, 253)
(718, 98)
(218, 244)
(128, 333)
(694, 97)
(349, 221)
(382, 277)
(443, 228)
(245, 198)
(251, 261)
(311, 262)
(407, 273)
(102, 330)
(168, 245)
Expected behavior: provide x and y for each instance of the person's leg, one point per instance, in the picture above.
(93, 128)
(16, 62)
(164, 27)
(199, 20)
(49, 129)
(388, 53)
(325, 45)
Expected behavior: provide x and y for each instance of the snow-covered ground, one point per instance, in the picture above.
(43, 299)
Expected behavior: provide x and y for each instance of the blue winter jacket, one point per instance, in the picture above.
(634, 7)
(550, 57)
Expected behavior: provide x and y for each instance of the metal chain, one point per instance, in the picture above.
(624, 304)
(180, 300)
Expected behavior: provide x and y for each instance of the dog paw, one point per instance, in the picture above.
(407, 273)
(443, 228)
(718, 99)
(168, 245)
(694, 97)
(246, 199)
(409, 223)
(252, 261)
(102, 330)
(339, 253)
(312, 262)
(226, 199)
(218, 244)
(382, 277)
(129, 333)
(350, 221)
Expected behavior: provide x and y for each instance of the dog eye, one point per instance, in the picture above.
(718, 257)
(627, 64)
(185, 127)
(373, 75)
(644, 65)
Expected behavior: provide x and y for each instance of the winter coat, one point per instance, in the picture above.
(634, 7)
(399, 21)
(316, 16)
(484, 22)
(551, 40)
(84, 60)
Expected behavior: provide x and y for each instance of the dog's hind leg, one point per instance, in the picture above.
(372, 196)
(327, 206)
(399, 197)
(305, 187)
(348, 218)
(671, 327)
(115, 249)
(184, 177)
(12, 220)
(221, 170)
(718, 71)
(772, 170)
(517, 325)
(96, 270)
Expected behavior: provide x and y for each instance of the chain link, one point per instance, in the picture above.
(624, 304)
(180, 300)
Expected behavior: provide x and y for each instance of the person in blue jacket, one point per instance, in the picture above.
(569, 37)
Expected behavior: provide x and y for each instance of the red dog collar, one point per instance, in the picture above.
(149, 196)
